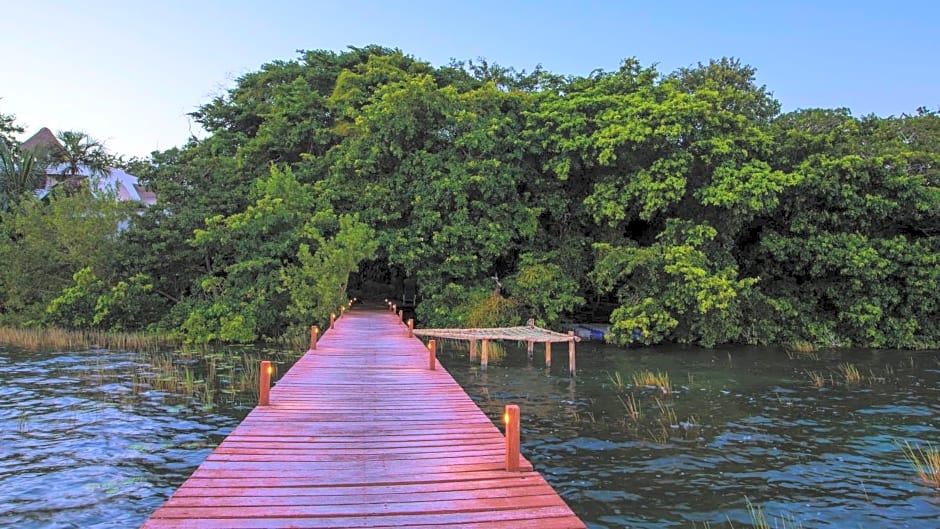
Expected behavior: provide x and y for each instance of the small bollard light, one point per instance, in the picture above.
(342, 310)
(264, 383)
(314, 331)
(332, 320)
(511, 418)
(432, 354)
(411, 328)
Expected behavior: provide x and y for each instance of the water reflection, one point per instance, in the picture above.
(91, 439)
(738, 423)
(100, 439)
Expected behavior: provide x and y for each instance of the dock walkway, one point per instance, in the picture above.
(361, 433)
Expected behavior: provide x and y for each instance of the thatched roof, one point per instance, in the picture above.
(42, 140)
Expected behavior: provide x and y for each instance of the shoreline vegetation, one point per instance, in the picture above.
(48, 338)
(33, 339)
(681, 207)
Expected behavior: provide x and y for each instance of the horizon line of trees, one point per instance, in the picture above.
(685, 207)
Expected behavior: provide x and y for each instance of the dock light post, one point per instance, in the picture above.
(314, 331)
(511, 418)
(332, 320)
(411, 328)
(432, 354)
(342, 310)
(264, 384)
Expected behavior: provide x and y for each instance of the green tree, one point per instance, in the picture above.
(851, 256)
(8, 128)
(318, 282)
(20, 172)
(541, 285)
(283, 260)
(74, 307)
(43, 244)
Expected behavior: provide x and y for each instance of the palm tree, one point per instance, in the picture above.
(20, 172)
(79, 150)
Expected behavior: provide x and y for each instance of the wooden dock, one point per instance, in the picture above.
(362, 433)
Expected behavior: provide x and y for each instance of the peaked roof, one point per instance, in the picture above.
(124, 184)
(44, 139)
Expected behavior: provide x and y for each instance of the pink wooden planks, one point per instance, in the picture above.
(360, 433)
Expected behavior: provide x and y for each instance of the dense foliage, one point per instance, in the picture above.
(682, 207)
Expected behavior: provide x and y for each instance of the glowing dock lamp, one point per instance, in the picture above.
(432, 354)
(264, 386)
(332, 320)
(511, 419)
(342, 310)
(411, 328)
(314, 331)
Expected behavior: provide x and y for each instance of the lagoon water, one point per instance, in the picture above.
(86, 442)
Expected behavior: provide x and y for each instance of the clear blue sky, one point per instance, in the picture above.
(128, 71)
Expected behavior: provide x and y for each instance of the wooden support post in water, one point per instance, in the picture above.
(432, 354)
(485, 354)
(548, 354)
(511, 418)
(264, 385)
(411, 328)
(473, 350)
(314, 331)
(571, 368)
(530, 348)
(332, 320)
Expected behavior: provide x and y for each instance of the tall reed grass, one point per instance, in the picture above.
(648, 378)
(760, 521)
(850, 373)
(817, 378)
(55, 338)
(926, 462)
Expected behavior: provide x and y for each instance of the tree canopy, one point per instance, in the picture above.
(680, 207)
